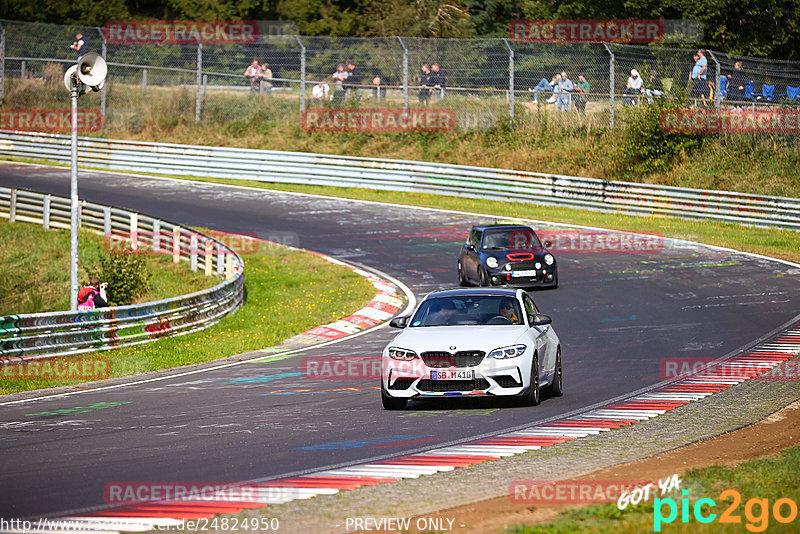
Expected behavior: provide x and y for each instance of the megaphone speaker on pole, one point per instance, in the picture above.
(92, 70)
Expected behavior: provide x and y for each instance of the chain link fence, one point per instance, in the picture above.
(483, 83)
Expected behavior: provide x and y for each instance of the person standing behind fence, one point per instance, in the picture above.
(93, 296)
(380, 90)
(425, 85)
(252, 73)
(736, 84)
(582, 90)
(699, 72)
(565, 88)
(353, 79)
(339, 78)
(81, 45)
(265, 76)
(437, 79)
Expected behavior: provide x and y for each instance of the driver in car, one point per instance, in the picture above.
(508, 310)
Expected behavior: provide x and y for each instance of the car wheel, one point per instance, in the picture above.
(392, 403)
(532, 397)
(556, 389)
(462, 281)
(484, 278)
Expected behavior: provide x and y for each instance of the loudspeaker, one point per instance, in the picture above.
(92, 70)
(69, 77)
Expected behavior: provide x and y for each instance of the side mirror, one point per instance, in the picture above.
(539, 319)
(399, 322)
(470, 247)
(548, 244)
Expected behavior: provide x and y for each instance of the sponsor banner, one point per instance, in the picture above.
(126, 493)
(573, 491)
(738, 368)
(378, 120)
(730, 121)
(586, 31)
(50, 119)
(591, 242)
(84, 368)
(181, 31)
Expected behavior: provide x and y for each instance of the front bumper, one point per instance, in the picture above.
(491, 378)
(546, 277)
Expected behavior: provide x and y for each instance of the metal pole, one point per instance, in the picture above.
(405, 73)
(199, 96)
(2, 61)
(610, 85)
(103, 90)
(144, 80)
(22, 70)
(73, 227)
(717, 94)
(510, 82)
(302, 74)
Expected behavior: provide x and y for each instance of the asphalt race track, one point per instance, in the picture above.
(618, 315)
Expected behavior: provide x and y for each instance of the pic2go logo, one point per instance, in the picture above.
(756, 511)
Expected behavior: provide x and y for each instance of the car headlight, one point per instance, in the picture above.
(491, 261)
(549, 259)
(401, 354)
(508, 352)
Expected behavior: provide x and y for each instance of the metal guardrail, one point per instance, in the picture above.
(42, 335)
(410, 176)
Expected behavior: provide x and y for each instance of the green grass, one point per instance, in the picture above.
(287, 292)
(36, 278)
(769, 478)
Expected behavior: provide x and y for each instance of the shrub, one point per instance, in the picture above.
(127, 275)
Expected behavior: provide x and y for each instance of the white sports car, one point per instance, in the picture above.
(481, 341)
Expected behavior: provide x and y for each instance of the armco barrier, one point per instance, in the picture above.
(412, 176)
(42, 335)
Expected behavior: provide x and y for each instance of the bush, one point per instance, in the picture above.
(127, 275)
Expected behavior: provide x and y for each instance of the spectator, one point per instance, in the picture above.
(93, 296)
(380, 90)
(582, 90)
(252, 73)
(265, 76)
(353, 79)
(736, 84)
(437, 79)
(633, 87)
(553, 86)
(565, 88)
(320, 92)
(654, 87)
(699, 74)
(425, 85)
(542, 87)
(338, 86)
(81, 45)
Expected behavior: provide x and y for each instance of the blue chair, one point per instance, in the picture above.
(767, 92)
(723, 86)
(748, 91)
(793, 92)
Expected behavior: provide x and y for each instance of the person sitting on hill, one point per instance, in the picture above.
(93, 296)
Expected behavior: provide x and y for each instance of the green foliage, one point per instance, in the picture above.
(646, 148)
(127, 275)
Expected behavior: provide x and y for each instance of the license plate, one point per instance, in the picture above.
(521, 274)
(453, 375)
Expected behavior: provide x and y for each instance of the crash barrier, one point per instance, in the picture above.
(42, 335)
(409, 176)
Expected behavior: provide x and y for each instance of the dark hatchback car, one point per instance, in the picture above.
(506, 255)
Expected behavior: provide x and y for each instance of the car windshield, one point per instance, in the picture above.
(511, 239)
(467, 310)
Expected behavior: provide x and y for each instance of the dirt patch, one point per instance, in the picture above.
(768, 437)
